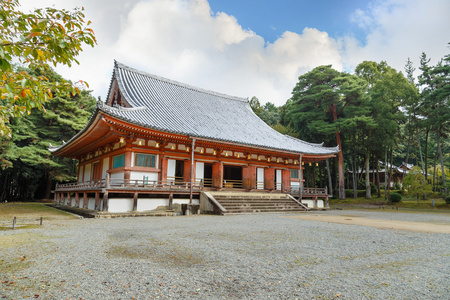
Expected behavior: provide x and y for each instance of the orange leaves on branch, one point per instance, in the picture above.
(47, 36)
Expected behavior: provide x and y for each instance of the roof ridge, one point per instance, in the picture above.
(312, 144)
(178, 83)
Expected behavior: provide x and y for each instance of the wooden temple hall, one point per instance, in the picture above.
(156, 143)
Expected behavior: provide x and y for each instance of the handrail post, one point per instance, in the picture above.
(107, 183)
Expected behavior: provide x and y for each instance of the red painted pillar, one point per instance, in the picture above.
(286, 179)
(163, 168)
(97, 200)
(85, 200)
(249, 177)
(269, 179)
(217, 174)
(187, 171)
(127, 169)
(77, 200)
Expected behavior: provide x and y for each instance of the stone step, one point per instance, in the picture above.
(263, 208)
(254, 211)
(257, 201)
(251, 197)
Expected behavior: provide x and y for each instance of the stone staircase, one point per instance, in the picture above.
(249, 203)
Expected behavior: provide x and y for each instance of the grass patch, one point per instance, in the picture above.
(19, 239)
(30, 213)
(406, 205)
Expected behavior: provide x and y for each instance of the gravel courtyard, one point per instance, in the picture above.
(222, 257)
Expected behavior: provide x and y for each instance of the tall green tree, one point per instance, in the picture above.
(25, 156)
(48, 36)
(435, 84)
(388, 90)
(318, 103)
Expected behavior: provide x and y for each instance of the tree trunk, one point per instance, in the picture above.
(406, 160)
(385, 174)
(48, 187)
(423, 166)
(355, 183)
(434, 170)
(442, 164)
(341, 155)
(330, 181)
(367, 164)
(378, 176)
(426, 155)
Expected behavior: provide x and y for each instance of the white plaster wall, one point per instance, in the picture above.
(80, 201)
(295, 185)
(80, 174)
(87, 172)
(152, 176)
(117, 175)
(278, 179)
(310, 203)
(171, 170)
(72, 202)
(260, 178)
(185, 201)
(120, 205)
(105, 167)
(199, 172)
(151, 204)
(91, 203)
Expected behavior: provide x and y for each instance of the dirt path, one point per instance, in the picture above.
(379, 223)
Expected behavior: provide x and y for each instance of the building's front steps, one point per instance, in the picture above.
(249, 203)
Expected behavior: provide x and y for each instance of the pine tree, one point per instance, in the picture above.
(318, 103)
(26, 157)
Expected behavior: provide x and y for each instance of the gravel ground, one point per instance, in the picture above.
(218, 257)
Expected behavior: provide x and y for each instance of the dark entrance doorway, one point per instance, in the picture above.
(232, 176)
(207, 174)
(179, 170)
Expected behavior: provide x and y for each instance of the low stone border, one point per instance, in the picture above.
(90, 213)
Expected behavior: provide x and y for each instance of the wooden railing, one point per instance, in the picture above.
(228, 183)
(308, 192)
(174, 185)
(168, 185)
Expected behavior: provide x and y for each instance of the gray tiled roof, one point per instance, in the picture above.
(170, 106)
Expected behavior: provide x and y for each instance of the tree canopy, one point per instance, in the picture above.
(318, 102)
(25, 156)
(47, 36)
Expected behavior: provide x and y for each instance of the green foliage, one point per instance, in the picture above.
(359, 193)
(362, 186)
(415, 183)
(25, 156)
(36, 40)
(269, 113)
(447, 200)
(395, 197)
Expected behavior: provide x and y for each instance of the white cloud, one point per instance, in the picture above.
(398, 29)
(183, 40)
(214, 52)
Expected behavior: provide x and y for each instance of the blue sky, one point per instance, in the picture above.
(253, 48)
(271, 18)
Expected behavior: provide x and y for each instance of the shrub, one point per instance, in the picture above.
(362, 186)
(447, 200)
(395, 197)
